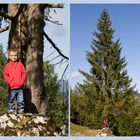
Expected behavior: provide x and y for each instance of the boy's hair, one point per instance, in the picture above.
(13, 50)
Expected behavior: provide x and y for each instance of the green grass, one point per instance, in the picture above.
(76, 130)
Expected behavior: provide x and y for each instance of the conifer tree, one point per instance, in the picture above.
(3, 86)
(56, 108)
(78, 107)
(107, 84)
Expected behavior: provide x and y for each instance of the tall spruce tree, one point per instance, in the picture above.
(107, 85)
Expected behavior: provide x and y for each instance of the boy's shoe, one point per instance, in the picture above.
(20, 112)
(11, 112)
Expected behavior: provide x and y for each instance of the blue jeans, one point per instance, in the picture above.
(16, 94)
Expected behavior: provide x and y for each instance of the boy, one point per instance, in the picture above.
(15, 76)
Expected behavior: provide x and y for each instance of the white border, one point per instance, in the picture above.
(71, 1)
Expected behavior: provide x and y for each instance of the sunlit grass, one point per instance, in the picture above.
(77, 130)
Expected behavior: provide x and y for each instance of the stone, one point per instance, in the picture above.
(28, 125)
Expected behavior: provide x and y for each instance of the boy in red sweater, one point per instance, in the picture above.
(15, 76)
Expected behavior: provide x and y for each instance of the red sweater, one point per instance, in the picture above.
(15, 74)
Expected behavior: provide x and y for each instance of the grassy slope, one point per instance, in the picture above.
(76, 130)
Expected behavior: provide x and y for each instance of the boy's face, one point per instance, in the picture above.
(13, 56)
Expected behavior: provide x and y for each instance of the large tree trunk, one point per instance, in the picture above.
(26, 33)
(34, 55)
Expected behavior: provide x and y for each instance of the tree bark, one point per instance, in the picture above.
(14, 38)
(34, 55)
(26, 33)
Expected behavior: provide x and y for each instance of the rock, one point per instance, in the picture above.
(28, 125)
(104, 132)
(63, 128)
(77, 134)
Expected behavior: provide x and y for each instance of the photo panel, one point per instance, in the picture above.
(104, 80)
(34, 61)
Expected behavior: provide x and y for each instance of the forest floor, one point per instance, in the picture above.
(77, 130)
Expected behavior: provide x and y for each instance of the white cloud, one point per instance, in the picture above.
(74, 74)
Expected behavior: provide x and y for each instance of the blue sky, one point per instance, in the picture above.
(125, 19)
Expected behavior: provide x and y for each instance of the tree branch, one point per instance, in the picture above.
(54, 58)
(5, 15)
(53, 5)
(50, 53)
(64, 71)
(54, 46)
(54, 22)
(4, 29)
(58, 62)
